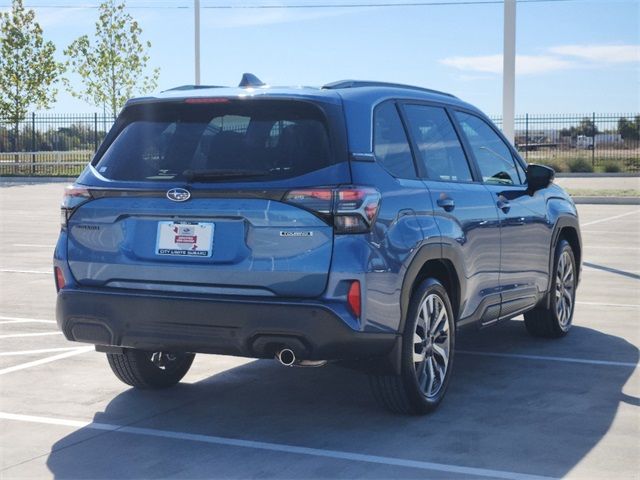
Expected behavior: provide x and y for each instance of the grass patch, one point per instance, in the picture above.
(580, 192)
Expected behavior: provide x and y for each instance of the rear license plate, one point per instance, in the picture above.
(194, 239)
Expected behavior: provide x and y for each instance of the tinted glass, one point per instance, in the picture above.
(493, 156)
(269, 140)
(390, 143)
(521, 172)
(440, 149)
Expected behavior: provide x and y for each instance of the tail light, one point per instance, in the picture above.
(353, 298)
(352, 209)
(74, 196)
(59, 278)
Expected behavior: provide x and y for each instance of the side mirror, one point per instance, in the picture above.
(539, 177)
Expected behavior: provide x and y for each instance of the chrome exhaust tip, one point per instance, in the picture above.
(286, 357)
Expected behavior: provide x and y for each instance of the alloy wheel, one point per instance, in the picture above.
(163, 360)
(431, 345)
(565, 289)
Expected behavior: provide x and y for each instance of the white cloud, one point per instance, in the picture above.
(525, 64)
(556, 58)
(600, 53)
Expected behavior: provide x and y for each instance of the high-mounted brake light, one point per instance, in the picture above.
(74, 196)
(353, 209)
(201, 100)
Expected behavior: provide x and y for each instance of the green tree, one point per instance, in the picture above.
(28, 70)
(112, 66)
(587, 128)
(629, 129)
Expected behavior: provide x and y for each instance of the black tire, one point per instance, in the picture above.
(404, 393)
(150, 370)
(551, 321)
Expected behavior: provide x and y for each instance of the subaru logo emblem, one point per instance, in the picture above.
(178, 195)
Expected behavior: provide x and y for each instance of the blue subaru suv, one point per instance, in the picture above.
(360, 222)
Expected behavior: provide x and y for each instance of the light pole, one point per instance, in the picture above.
(196, 29)
(509, 70)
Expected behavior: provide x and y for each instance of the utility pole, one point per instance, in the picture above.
(509, 70)
(196, 29)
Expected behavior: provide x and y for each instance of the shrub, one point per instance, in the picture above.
(632, 164)
(611, 167)
(580, 165)
(557, 165)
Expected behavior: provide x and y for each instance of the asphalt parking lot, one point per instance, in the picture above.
(517, 406)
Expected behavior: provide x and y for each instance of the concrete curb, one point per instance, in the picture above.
(12, 181)
(606, 200)
(596, 175)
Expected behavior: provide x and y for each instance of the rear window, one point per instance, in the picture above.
(247, 140)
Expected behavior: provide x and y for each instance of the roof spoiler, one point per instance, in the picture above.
(191, 87)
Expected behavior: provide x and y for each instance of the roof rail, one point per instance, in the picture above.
(366, 83)
(191, 87)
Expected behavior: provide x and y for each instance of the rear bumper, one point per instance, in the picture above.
(253, 327)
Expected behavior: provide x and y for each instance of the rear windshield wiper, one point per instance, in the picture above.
(191, 175)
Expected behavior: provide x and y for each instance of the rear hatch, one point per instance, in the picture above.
(192, 195)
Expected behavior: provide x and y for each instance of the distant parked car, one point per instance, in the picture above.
(361, 222)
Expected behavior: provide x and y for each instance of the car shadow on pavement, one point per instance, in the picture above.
(509, 414)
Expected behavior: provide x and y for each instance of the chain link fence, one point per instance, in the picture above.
(62, 144)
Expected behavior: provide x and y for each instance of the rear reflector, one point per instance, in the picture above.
(59, 278)
(353, 298)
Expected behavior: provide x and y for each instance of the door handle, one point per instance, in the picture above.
(447, 203)
(504, 205)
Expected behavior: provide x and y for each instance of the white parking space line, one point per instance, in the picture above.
(7, 320)
(38, 334)
(608, 270)
(274, 447)
(39, 272)
(593, 222)
(32, 245)
(600, 304)
(42, 361)
(611, 247)
(34, 352)
(547, 358)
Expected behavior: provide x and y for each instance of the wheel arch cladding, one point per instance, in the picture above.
(432, 261)
(570, 234)
(567, 228)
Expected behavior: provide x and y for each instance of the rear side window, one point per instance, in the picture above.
(251, 139)
(494, 157)
(390, 144)
(440, 150)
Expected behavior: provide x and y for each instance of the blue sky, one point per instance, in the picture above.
(573, 57)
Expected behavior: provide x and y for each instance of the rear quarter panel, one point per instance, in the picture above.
(404, 224)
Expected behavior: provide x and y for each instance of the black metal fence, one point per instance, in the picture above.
(580, 143)
(50, 144)
(61, 145)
